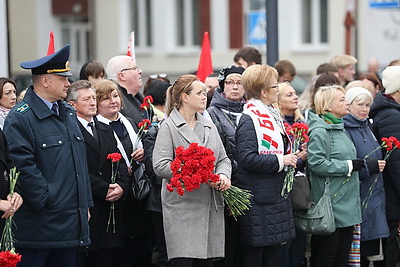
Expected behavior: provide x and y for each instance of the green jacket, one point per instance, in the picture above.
(345, 195)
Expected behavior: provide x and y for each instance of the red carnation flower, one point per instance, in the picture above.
(114, 157)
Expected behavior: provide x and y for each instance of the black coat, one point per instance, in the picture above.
(270, 219)
(385, 113)
(154, 198)
(100, 177)
(131, 106)
(5, 164)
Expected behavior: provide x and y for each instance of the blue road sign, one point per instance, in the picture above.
(256, 29)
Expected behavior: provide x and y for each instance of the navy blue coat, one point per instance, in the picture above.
(49, 151)
(374, 225)
(385, 113)
(270, 219)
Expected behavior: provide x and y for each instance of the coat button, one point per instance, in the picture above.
(78, 138)
(100, 173)
(44, 145)
(60, 142)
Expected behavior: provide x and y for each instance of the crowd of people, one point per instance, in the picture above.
(81, 146)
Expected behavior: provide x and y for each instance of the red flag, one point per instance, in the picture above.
(131, 45)
(205, 64)
(50, 49)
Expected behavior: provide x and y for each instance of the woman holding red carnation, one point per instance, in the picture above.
(263, 153)
(374, 226)
(293, 252)
(194, 222)
(126, 133)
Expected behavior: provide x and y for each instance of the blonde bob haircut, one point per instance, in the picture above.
(257, 78)
(324, 97)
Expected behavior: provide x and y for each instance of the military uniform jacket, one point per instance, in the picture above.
(49, 151)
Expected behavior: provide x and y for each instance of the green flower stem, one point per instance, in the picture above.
(238, 200)
(7, 239)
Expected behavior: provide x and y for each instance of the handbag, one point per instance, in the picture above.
(301, 192)
(141, 183)
(318, 219)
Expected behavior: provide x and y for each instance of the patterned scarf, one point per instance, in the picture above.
(268, 125)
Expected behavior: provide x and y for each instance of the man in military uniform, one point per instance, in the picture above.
(47, 147)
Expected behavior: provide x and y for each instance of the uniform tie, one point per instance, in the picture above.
(54, 108)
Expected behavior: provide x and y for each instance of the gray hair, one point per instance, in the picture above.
(115, 65)
(74, 88)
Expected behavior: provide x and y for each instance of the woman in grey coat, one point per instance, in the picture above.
(194, 222)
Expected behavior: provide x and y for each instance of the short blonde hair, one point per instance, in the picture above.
(324, 97)
(343, 60)
(257, 78)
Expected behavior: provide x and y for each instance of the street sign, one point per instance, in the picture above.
(256, 29)
(384, 3)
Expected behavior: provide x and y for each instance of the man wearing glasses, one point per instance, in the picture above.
(124, 71)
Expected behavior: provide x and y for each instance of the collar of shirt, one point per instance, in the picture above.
(85, 124)
(48, 103)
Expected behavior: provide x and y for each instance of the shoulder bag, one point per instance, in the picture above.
(141, 183)
(319, 218)
(301, 192)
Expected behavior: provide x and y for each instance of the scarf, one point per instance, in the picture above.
(132, 135)
(330, 119)
(269, 128)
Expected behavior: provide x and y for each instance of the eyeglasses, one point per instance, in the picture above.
(155, 76)
(232, 83)
(131, 68)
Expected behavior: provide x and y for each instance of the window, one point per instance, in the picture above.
(141, 20)
(178, 23)
(313, 26)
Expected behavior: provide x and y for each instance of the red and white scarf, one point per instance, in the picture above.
(269, 128)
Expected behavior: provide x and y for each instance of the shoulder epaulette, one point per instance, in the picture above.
(23, 108)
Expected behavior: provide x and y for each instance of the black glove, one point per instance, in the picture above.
(373, 166)
(358, 164)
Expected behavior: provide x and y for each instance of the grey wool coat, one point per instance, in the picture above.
(194, 222)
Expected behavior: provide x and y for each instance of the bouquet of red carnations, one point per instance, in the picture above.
(194, 166)
(299, 134)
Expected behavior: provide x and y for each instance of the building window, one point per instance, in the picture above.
(187, 23)
(180, 19)
(141, 20)
(314, 22)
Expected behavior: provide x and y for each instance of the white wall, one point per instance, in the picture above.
(3, 40)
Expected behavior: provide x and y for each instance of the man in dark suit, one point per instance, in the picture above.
(106, 229)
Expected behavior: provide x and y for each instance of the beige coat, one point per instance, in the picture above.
(193, 223)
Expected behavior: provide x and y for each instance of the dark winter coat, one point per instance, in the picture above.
(49, 151)
(154, 199)
(270, 219)
(100, 178)
(226, 114)
(374, 225)
(385, 113)
(131, 106)
(5, 165)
